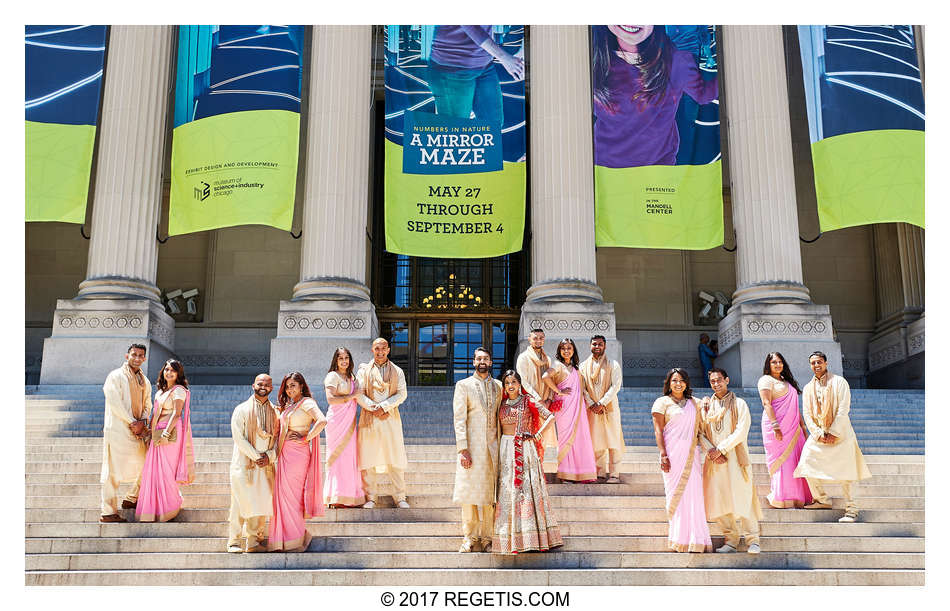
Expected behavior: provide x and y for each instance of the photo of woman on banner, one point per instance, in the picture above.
(639, 78)
(461, 75)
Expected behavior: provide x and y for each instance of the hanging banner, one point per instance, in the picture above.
(63, 85)
(657, 160)
(866, 123)
(455, 140)
(237, 126)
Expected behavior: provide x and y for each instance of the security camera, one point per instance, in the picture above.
(703, 313)
(170, 296)
(706, 296)
(190, 303)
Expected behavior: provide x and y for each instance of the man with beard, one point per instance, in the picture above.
(531, 365)
(379, 432)
(254, 429)
(603, 379)
(475, 415)
(831, 453)
(128, 397)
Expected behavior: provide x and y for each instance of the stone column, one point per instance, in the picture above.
(771, 309)
(564, 298)
(331, 304)
(895, 351)
(118, 303)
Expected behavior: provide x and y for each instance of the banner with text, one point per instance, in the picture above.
(865, 106)
(455, 140)
(237, 126)
(63, 85)
(657, 160)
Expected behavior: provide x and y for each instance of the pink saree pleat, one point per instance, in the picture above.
(166, 466)
(683, 486)
(575, 450)
(782, 456)
(343, 484)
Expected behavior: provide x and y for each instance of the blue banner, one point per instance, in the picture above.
(64, 65)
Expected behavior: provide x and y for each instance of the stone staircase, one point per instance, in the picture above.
(614, 534)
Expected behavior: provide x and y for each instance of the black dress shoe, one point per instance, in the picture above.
(127, 504)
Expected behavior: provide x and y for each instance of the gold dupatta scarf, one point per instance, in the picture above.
(335, 452)
(600, 373)
(687, 467)
(714, 418)
(821, 402)
(139, 391)
(541, 364)
(377, 382)
(261, 424)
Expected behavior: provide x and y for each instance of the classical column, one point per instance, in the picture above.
(771, 309)
(331, 303)
(899, 333)
(118, 302)
(564, 298)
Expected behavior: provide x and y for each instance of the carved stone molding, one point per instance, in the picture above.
(573, 324)
(305, 323)
(256, 361)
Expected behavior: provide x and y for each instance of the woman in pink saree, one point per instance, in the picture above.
(782, 433)
(343, 486)
(676, 423)
(297, 481)
(575, 451)
(170, 459)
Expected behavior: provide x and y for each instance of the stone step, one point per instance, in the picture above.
(804, 530)
(483, 578)
(434, 543)
(450, 560)
(422, 514)
(222, 499)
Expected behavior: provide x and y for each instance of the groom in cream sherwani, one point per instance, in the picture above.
(475, 416)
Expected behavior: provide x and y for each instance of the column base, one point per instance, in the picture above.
(772, 292)
(91, 336)
(118, 288)
(751, 330)
(570, 319)
(896, 356)
(308, 332)
(565, 291)
(332, 289)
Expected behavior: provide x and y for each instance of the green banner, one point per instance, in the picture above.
(237, 126)
(870, 177)
(866, 121)
(461, 215)
(455, 145)
(234, 169)
(657, 158)
(64, 69)
(58, 165)
(659, 206)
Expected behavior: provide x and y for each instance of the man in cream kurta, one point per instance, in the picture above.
(254, 429)
(728, 487)
(531, 365)
(831, 453)
(128, 396)
(475, 416)
(379, 432)
(603, 379)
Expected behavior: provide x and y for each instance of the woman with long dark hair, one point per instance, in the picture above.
(344, 485)
(676, 427)
(170, 459)
(523, 517)
(639, 77)
(297, 485)
(782, 432)
(575, 452)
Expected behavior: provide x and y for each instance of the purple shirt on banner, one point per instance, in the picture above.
(636, 136)
(459, 46)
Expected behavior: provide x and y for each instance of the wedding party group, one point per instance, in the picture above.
(546, 420)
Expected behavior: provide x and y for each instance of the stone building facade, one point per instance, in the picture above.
(272, 300)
